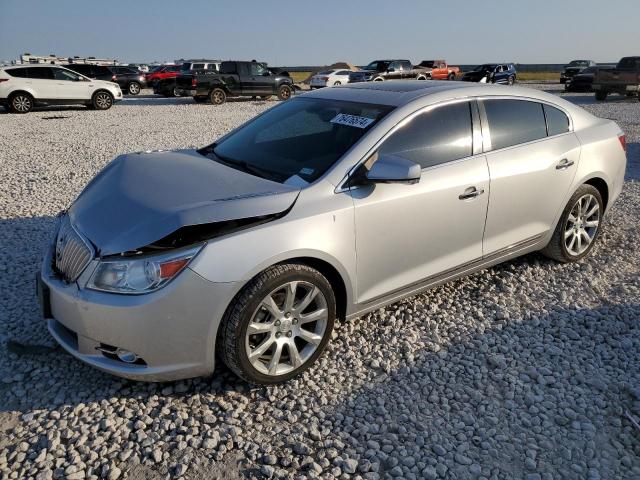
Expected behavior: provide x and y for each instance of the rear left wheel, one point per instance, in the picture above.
(20, 102)
(278, 325)
(578, 227)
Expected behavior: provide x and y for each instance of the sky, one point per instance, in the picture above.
(320, 32)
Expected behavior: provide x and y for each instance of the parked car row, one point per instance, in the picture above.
(23, 87)
(131, 81)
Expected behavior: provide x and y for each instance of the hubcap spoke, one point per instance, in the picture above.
(275, 359)
(592, 223)
(582, 224)
(291, 290)
(310, 337)
(294, 355)
(260, 349)
(304, 303)
(258, 328)
(269, 304)
(320, 314)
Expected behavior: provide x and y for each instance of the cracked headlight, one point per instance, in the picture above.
(135, 275)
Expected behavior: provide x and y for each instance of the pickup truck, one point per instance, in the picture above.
(623, 79)
(573, 68)
(440, 70)
(235, 79)
(381, 70)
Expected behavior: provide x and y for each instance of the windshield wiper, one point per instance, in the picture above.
(246, 167)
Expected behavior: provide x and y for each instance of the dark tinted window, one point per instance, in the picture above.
(82, 69)
(228, 67)
(40, 73)
(100, 70)
(17, 72)
(66, 75)
(629, 63)
(512, 122)
(435, 137)
(174, 68)
(557, 121)
(257, 69)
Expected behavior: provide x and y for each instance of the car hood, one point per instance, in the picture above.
(141, 198)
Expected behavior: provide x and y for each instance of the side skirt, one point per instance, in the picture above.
(515, 250)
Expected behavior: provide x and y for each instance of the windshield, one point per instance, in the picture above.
(484, 68)
(299, 140)
(579, 63)
(378, 66)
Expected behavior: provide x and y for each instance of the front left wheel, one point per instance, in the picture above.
(134, 88)
(278, 325)
(285, 92)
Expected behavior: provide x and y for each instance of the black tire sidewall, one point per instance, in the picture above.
(583, 190)
(252, 303)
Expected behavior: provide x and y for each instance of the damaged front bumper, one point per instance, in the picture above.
(164, 335)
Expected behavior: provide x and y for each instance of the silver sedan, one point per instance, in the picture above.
(324, 207)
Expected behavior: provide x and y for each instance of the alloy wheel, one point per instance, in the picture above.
(22, 103)
(582, 225)
(103, 101)
(134, 88)
(287, 328)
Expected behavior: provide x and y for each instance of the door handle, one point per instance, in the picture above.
(471, 192)
(564, 164)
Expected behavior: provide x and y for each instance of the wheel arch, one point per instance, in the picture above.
(23, 91)
(601, 185)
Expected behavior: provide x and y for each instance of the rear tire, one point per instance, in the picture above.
(20, 103)
(217, 96)
(134, 88)
(578, 222)
(451, 77)
(601, 95)
(284, 92)
(336, 83)
(511, 80)
(102, 100)
(282, 342)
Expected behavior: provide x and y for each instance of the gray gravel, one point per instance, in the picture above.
(526, 370)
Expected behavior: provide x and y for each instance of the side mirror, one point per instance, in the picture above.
(393, 169)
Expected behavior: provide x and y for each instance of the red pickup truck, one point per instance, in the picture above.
(162, 72)
(440, 70)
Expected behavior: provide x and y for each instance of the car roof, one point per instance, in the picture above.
(398, 93)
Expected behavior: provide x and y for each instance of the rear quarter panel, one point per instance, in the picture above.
(602, 156)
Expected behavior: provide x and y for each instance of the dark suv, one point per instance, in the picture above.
(130, 80)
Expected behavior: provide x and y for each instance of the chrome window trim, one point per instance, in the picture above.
(486, 130)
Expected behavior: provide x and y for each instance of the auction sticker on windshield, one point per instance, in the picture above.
(352, 120)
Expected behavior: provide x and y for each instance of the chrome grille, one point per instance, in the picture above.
(73, 253)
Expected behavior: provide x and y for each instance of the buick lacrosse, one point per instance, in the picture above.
(324, 207)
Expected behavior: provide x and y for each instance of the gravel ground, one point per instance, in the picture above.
(528, 370)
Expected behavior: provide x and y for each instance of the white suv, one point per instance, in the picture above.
(23, 87)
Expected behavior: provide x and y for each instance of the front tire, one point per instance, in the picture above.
(511, 80)
(217, 96)
(284, 92)
(337, 83)
(20, 103)
(601, 95)
(579, 226)
(278, 325)
(102, 100)
(451, 77)
(134, 88)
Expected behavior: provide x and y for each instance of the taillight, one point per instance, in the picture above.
(623, 141)
(194, 82)
(324, 79)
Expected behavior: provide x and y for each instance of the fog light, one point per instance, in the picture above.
(126, 356)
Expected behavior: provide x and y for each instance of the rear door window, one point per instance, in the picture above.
(441, 135)
(17, 72)
(512, 122)
(557, 121)
(41, 73)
